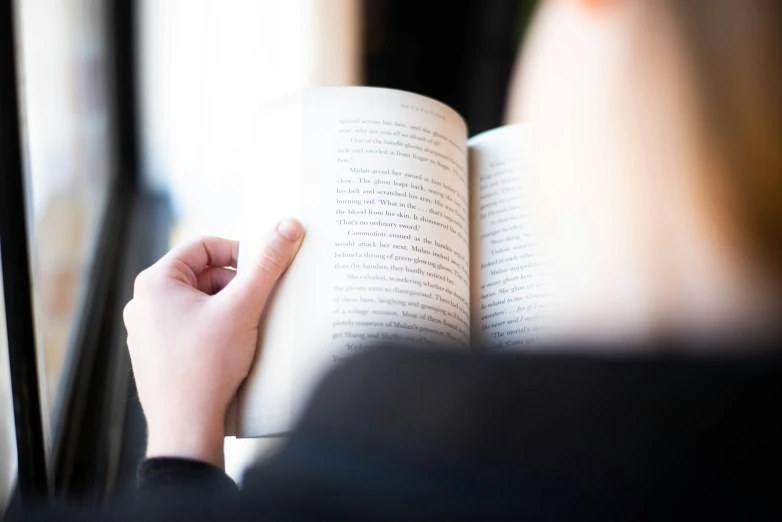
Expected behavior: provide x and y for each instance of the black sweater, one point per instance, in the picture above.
(410, 435)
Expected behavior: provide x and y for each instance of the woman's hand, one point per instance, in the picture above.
(192, 329)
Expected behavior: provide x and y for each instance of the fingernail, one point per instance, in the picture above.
(290, 229)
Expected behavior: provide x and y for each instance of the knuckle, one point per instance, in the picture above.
(272, 261)
(127, 313)
(142, 281)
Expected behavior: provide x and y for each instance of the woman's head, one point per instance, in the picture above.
(657, 131)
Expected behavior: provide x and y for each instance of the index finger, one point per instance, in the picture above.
(194, 256)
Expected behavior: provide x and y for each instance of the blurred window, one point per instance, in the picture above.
(63, 85)
(208, 68)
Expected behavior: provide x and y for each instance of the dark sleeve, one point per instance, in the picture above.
(168, 489)
(167, 476)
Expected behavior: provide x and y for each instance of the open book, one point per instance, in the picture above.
(414, 234)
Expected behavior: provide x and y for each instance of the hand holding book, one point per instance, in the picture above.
(192, 331)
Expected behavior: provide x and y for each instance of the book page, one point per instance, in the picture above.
(379, 180)
(510, 278)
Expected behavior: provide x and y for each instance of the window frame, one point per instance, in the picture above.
(14, 249)
(86, 437)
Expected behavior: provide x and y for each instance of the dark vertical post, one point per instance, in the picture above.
(122, 45)
(32, 478)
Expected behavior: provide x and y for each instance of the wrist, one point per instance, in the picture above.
(189, 441)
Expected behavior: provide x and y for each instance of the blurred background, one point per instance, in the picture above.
(127, 116)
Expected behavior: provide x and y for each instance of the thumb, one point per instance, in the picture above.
(253, 283)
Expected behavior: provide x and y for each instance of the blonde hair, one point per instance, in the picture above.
(735, 51)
